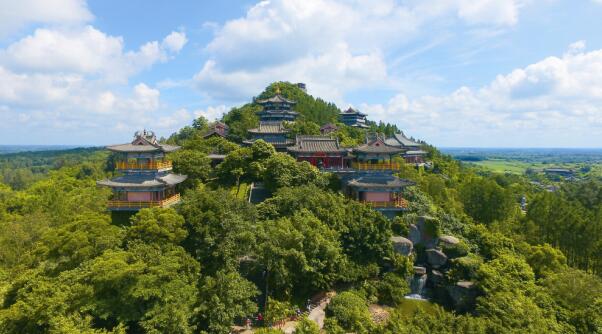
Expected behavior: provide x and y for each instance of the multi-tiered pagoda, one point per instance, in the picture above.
(276, 111)
(353, 117)
(147, 180)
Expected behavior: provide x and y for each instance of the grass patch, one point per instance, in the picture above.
(243, 193)
(409, 306)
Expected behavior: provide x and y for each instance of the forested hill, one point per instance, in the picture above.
(214, 260)
(314, 112)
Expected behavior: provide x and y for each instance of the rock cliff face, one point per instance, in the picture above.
(463, 295)
(434, 257)
(402, 245)
(424, 231)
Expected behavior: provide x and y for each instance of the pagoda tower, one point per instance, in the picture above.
(275, 112)
(353, 117)
(147, 180)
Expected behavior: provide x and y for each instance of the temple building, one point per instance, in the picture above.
(320, 151)
(274, 133)
(353, 117)
(382, 192)
(373, 181)
(218, 129)
(328, 128)
(375, 154)
(276, 111)
(412, 152)
(147, 180)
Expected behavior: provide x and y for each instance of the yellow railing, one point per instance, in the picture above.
(398, 203)
(376, 166)
(144, 204)
(147, 165)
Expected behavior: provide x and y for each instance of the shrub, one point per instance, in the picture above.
(392, 289)
(350, 312)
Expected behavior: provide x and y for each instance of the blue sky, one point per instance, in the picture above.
(490, 73)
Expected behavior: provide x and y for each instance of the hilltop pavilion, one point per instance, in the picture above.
(276, 111)
(147, 180)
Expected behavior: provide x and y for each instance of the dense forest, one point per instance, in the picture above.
(215, 259)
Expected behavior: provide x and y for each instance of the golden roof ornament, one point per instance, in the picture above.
(277, 90)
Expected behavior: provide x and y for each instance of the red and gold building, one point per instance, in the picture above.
(320, 151)
(146, 180)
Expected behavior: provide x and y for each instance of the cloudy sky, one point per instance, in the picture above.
(498, 73)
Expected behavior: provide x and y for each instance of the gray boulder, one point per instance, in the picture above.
(419, 270)
(415, 235)
(463, 295)
(424, 231)
(436, 258)
(402, 245)
(449, 240)
(437, 277)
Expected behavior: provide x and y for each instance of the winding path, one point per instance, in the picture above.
(317, 314)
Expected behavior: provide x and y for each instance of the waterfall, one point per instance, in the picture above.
(416, 287)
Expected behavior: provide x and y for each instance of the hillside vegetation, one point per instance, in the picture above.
(215, 259)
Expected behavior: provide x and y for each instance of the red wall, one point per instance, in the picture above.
(376, 196)
(143, 196)
(327, 162)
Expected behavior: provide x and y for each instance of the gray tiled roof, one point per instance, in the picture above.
(144, 180)
(351, 111)
(269, 127)
(329, 126)
(286, 142)
(316, 144)
(380, 182)
(143, 142)
(417, 152)
(277, 112)
(143, 148)
(399, 139)
(276, 99)
(377, 146)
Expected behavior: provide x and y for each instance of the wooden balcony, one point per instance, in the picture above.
(117, 204)
(149, 165)
(401, 203)
(376, 166)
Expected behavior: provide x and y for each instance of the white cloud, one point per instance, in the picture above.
(175, 41)
(75, 79)
(330, 44)
(489, 11)
(85, 51)
(16, 14)
(327, 75)
(555, 97)
(212, 112)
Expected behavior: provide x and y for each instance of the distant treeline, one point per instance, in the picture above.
(531, 155)
(19, 170)
(469, 158)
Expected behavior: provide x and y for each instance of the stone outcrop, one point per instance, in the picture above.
(463, 295)
(436, 258)
(424, 231)
(449, 240)
(415, 235)
(419, 270)
(402, 245)
(452, 246)
(437, 277)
